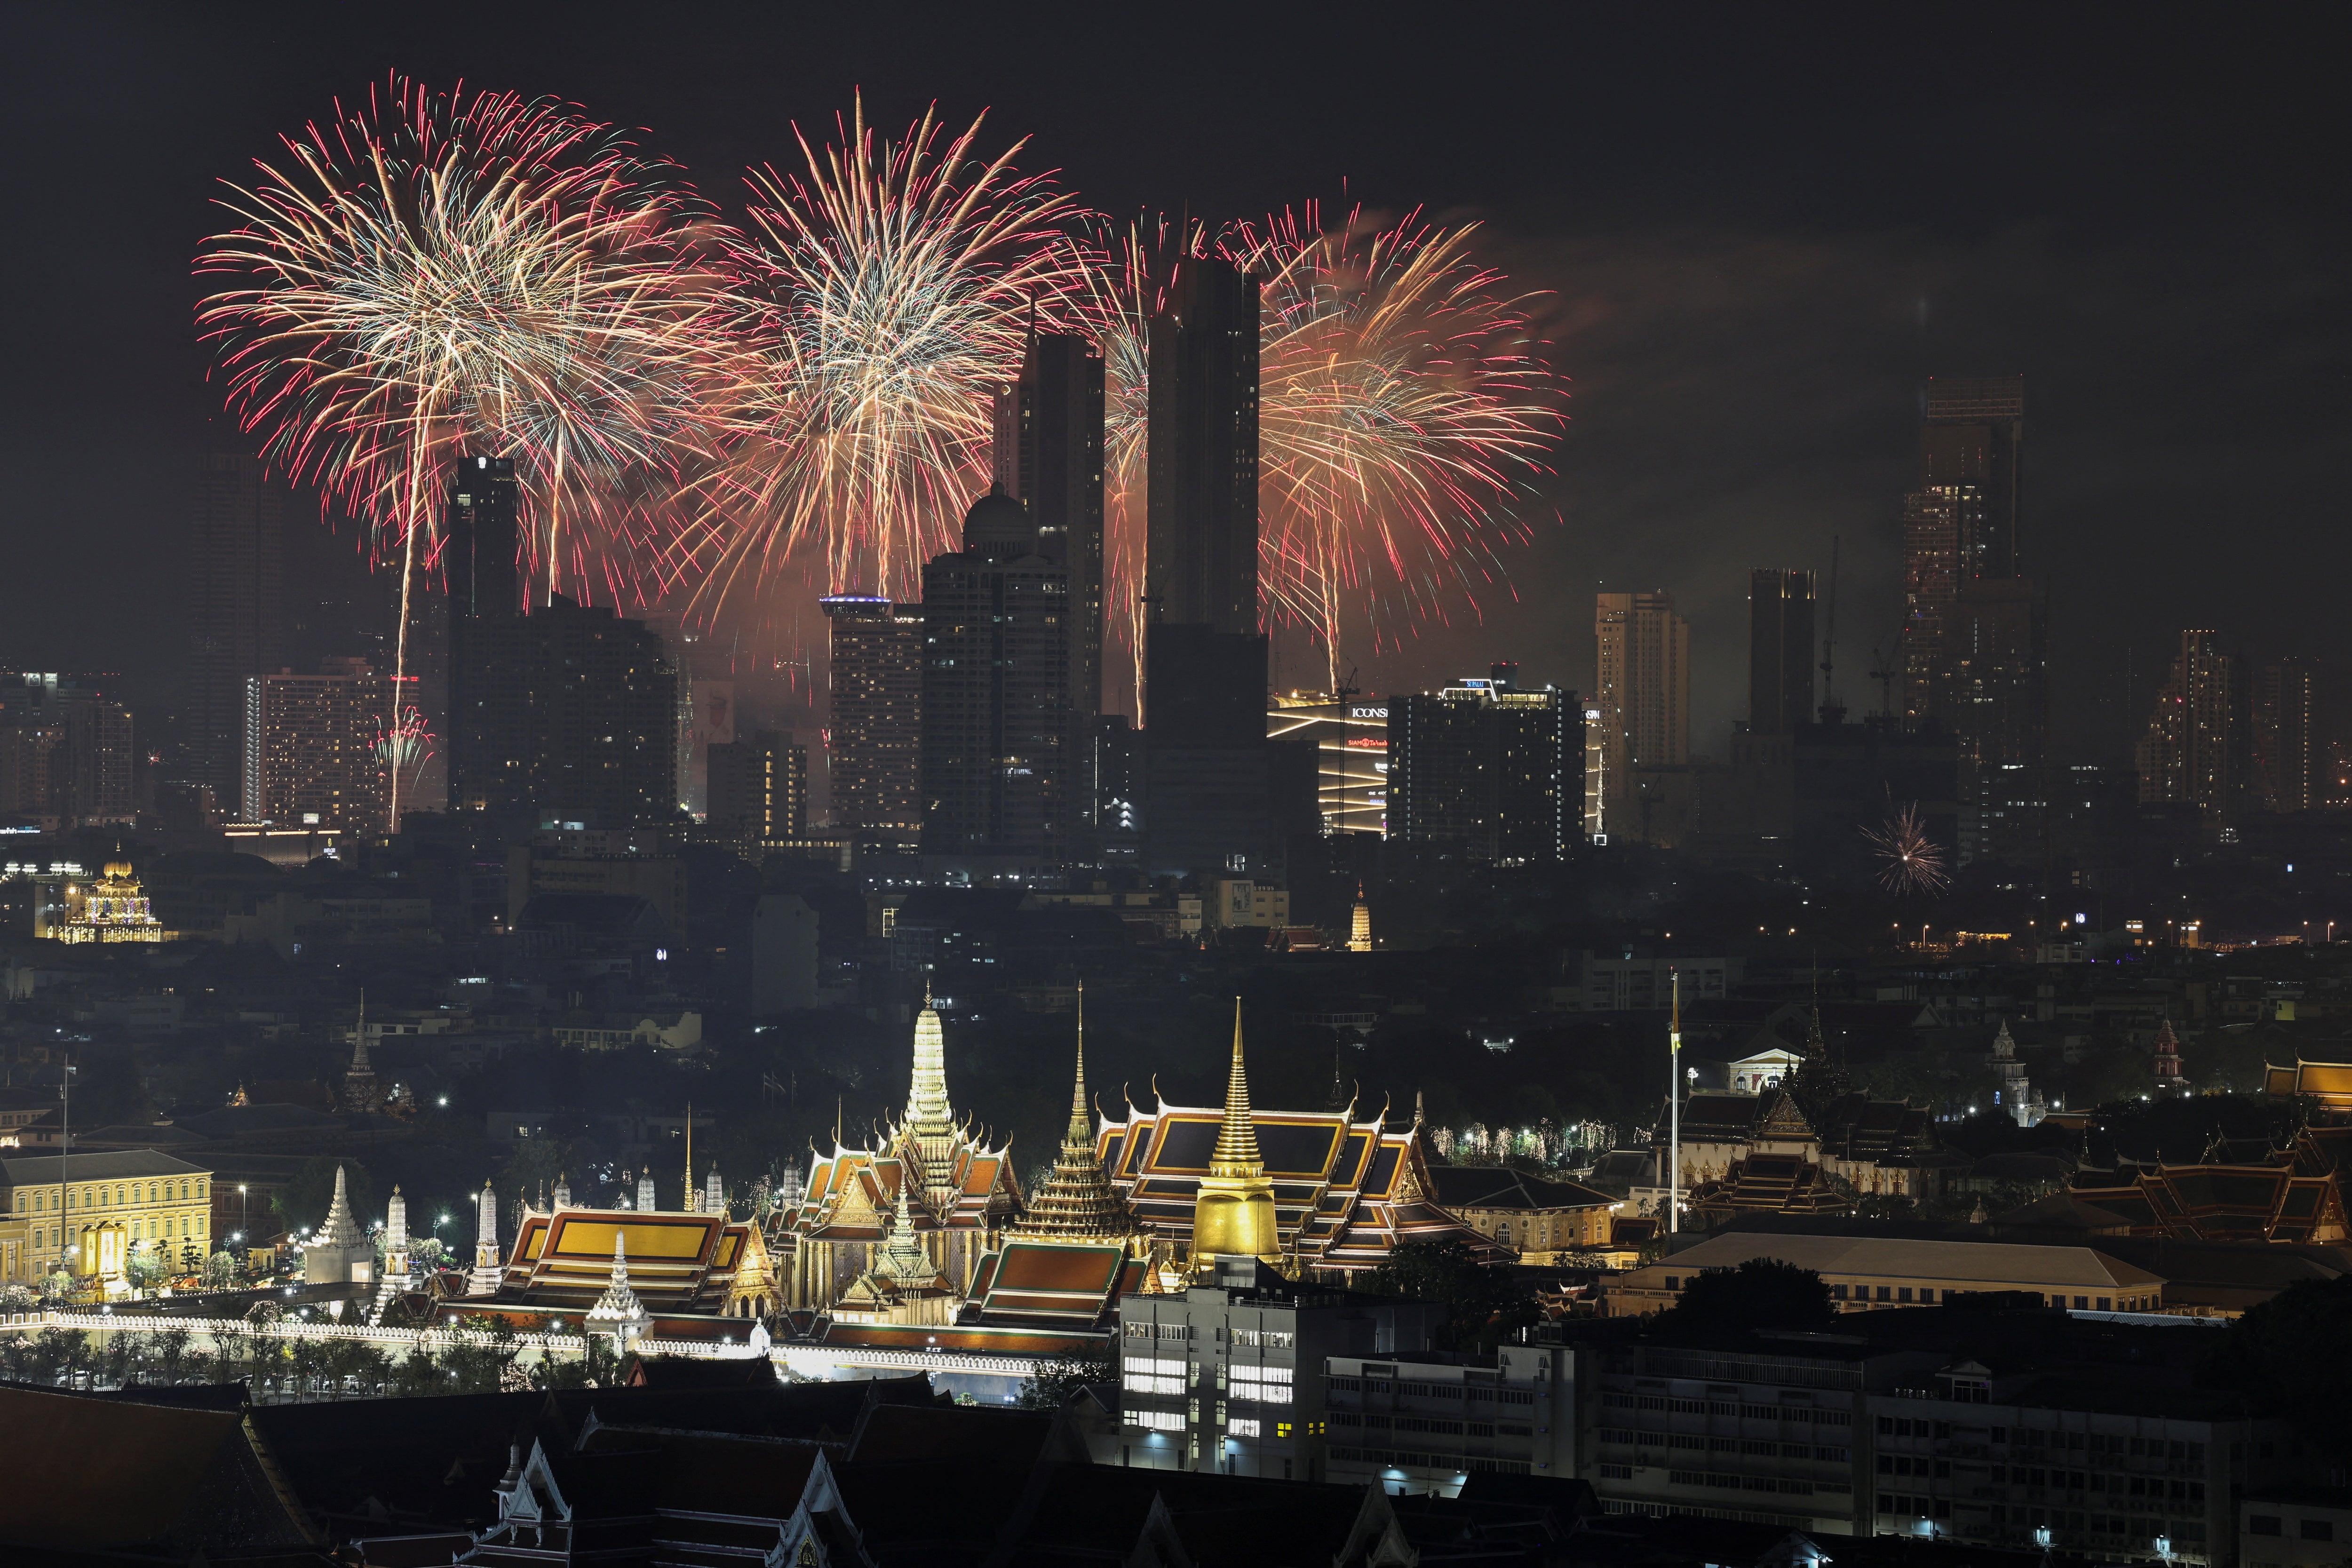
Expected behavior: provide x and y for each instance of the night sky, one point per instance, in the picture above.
(1760, 228)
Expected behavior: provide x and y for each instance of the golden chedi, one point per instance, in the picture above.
(1234, 1215)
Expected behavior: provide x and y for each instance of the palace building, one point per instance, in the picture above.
(1343, 1192)
(110, 909)
(961, 1195)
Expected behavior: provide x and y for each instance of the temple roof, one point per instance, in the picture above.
(676, 1262)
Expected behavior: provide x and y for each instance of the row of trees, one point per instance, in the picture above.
(489, 1359)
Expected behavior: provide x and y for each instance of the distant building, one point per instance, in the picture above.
(757, 790)
(875, 691)
(1350, 735)
(1487, 770)
(569, 713)
(234, 590)
(163, 1205)
(1780, 650)
(783, 954)
(66, 752)
(311, 756)
(1201, 558)
(1639, 715)
(996, 774)
(1049, 458)
(2191, 752)
(2289, 757)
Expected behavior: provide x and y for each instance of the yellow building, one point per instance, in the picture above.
(109, 909)
(1534, 1218)
(51, 1205)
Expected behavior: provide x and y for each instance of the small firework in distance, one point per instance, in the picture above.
(1911, 861)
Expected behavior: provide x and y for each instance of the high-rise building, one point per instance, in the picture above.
(1486, 770)
(2290, 759)
(1049, 458)
(236, 614)
(478, 563)
(2191, 752)
(996, 690)
(1350, 736)
(759, 789)
(1973, 651)
(64, 750)
(1779, 650)
(1971, 446)
(875, 746)
(311, 757)
(569, 713)
(1201, 462)
(1642, 697)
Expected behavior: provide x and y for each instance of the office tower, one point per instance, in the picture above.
(1201, 466)
(569, 713)
(875, 747)
(758, 790)
(2290, 762)
(1974, 656)
(1971, 447)
(235, 596)
(1488, 771)
(1117, 769)
(2190, 752)
(483, 744)
(996, 690)
(1779, 650)
(64, 750)
(1350, 735)
(311, 757)
(1642, 699)
(1049, 458)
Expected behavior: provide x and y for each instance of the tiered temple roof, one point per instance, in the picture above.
(1076, 1204)
(2297, 1195)
(678, 1263)
(1347, 1192)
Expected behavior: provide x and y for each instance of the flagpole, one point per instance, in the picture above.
(1674, 1109)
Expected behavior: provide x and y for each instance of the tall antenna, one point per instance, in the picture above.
(1831, 713)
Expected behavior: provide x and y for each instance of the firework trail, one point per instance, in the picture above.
(1914, 863)
(1402, 403)
(431, 274)
(403, 744)
(883, 299)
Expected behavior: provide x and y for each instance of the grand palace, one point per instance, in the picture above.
(921, 1238)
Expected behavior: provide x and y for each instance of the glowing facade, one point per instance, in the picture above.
(110, 909)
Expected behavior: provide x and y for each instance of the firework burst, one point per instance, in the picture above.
(884, 298)
(431, 274)
(1402, 405)
(1911, 861)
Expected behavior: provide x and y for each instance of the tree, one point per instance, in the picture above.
(1484, 1305)
(1761, 1293)
(2287, 1354)
(1053, 1384)
(220, 1272)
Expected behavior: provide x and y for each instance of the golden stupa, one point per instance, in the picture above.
(1234, 1215)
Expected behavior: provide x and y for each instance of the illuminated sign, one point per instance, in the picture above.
(1368, 712)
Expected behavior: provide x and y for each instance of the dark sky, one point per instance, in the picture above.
(1760, 228)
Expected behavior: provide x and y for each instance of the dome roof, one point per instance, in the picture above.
(997, 519)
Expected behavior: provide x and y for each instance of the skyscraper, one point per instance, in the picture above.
(1641, 696)
(1202, 465)
(1974, 656)
(310, 748)
(996, 690)
(483, 744)
(1488, 771)
(236, 614)
(758, 790)
(1049, 458)
(875, 747)
(66, 750)
(1971, 446)
(2190, 752)
(2289, 758)
(1779, 650)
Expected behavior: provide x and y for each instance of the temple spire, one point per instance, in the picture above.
(1234, 1215)
(1076, 1203)
(1237, 1135)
